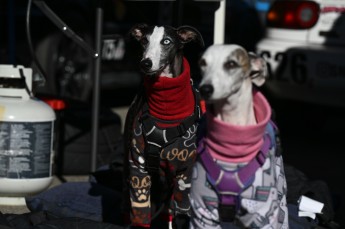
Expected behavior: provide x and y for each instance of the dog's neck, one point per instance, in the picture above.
(170, 98)
(237, 109)
(238, 143)
(174, 68)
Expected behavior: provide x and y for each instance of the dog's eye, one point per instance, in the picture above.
(230, 64)
(166, 41)
(202, 63)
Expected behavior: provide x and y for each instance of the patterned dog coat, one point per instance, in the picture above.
(162, 148)
(238, 179)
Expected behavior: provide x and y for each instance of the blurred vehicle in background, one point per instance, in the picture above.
(304, 46)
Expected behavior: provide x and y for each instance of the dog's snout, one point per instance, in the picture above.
(206, 91)
(146, 64)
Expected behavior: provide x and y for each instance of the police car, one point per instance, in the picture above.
(304, 47)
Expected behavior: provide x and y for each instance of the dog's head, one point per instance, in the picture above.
(162, 44)
(226, 68)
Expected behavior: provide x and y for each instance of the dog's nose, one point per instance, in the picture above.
(206, 91)
(146, 64)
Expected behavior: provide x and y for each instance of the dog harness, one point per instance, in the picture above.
(229, 184)
(157, 138)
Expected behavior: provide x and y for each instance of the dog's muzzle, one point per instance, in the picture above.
(206, 91)
(146, 65)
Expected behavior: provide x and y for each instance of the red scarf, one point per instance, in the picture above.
(170, 98)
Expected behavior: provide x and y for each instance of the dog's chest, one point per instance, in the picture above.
(262, 197)
(173, 153)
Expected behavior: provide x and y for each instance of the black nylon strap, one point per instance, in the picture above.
(176, 131)
(152, 158)
(156, 138)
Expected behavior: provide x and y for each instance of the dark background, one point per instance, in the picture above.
(312, 135)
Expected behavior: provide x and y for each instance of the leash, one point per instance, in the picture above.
(229, 184)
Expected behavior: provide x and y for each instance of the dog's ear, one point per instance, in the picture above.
(258, 72)
(138, 31)
(188, 33)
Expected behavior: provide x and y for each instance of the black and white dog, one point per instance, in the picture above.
(161, 126)
(238, 179)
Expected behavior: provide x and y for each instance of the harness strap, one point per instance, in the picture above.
(229, 184)
(156, 138)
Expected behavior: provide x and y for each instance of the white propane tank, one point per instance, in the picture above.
(26, 137)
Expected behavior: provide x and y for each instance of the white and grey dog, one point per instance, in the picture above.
(238, 180)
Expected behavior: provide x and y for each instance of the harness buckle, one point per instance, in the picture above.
(226, 212)
(152, 159)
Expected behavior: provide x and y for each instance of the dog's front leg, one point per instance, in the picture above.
(180, 157)
(139, 192)
(138, 181)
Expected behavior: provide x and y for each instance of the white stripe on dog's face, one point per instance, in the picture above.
(154, 49)
(224, 67)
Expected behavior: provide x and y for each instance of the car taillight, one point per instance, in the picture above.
(293, 14)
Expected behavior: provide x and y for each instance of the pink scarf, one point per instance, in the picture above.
(238, 144)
